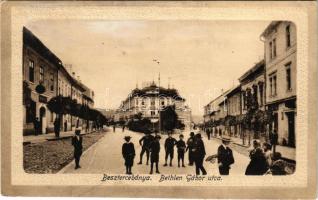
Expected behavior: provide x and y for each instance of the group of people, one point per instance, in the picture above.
(194, 146)
(262, 160)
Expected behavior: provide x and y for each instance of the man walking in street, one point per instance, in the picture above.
(169, 148)
(225, 156)
(208, 132)
(181, 146)
(273, 137)
(190, 144)
(199, 154)
(154, 157)
(128, 152)
(114, 128)
(145, 142)
(77, 141)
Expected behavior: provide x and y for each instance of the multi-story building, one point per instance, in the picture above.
(234, 111)
(280, 57)
(150, 100)
(43, 70)
(40, 68)
(213, 114)
(253, 83)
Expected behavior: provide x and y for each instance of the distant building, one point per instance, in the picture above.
(253, 83)
(234, 110)
(150, 100)
(280, 57)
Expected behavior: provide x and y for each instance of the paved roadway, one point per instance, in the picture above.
(105, 157)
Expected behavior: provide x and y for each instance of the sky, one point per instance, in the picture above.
(198, 58)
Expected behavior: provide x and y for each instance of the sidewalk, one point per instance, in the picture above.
(50, 136)
(288, 153)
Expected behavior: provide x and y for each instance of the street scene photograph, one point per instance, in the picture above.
(168, 97)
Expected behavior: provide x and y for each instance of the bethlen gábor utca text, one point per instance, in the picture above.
(162, 178)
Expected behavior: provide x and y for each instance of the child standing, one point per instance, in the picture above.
(181, 146)
(128, 151)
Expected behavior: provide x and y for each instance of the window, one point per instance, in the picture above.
(152, 112)
(52, 81)
(288, 77)
(274, 48)
(275, 85)
(271, 86)
(261, 94)
(153, 102)
(41, 74)
(270, 50)
(288, 36)
(245, 100)
(162, 103)
(31, 71)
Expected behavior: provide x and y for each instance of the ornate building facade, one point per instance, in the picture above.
(150, 100)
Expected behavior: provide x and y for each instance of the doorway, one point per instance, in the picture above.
(43, 120)
(291, 128)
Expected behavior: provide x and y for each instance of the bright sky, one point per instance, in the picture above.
(200, 57)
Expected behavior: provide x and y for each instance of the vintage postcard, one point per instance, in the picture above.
(159, 99)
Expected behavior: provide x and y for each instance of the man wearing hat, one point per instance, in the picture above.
(78, 147)
(199, 154)
(128, 152)
(225, 156)
(154, 156)
(190, 145)
(169, 147)
(145, 142)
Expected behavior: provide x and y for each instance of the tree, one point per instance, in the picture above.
(169, 119)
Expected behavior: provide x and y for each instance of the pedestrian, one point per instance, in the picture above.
(128, 152)
(273, 137)
(154, 157)
(123, 127)
(225, 156)
(65, 126)
(169, 148)
(36, 124)
(208, 132)
(114, 128)
(77, 141)
(145, 143)
(258, 164)
(199, 154)
(190, 145)
(57, 125)
(181, 146)
(267, 153)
